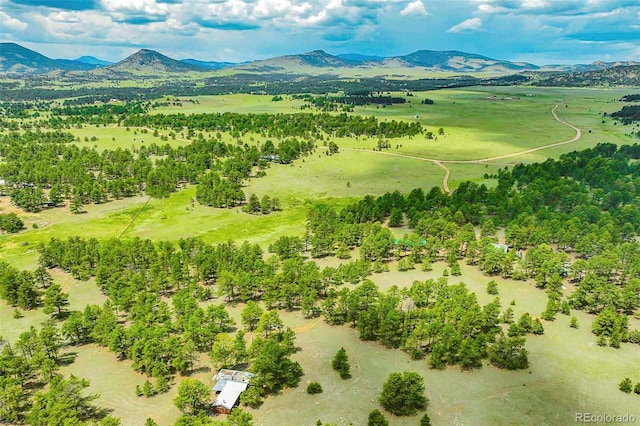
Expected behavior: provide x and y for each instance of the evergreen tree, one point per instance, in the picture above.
(376, 418)
(251, 315)
(314, 388)
(403, 394)
(340, 363)
(425, 420)
(193, 397)
(55, 300)
(509, 353)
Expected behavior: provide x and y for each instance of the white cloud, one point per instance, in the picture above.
(9, 23)
(489, 8)
(415, 8)
(149, 7)
(534, 4)
(470, 25)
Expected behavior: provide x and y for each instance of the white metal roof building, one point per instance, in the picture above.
(229, 395)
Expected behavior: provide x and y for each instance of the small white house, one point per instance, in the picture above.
(228, 397)
(229, 385)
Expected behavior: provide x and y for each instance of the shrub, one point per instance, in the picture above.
(376, 418)
(314, 388)
(626, 386)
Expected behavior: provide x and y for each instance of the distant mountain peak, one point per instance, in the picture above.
(93, 61)
(147, 60)
(318, 52)
(15, 58)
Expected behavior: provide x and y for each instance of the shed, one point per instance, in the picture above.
(229, 396)
(229, 385)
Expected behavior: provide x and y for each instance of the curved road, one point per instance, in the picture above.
(440, 163)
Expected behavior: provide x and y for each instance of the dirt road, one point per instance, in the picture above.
(441, 163)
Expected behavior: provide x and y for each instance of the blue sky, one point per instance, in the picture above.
(537, 31)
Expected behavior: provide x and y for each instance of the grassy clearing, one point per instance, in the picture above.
(113, 137)
(479, 122)
(240, 103)
(347, 174)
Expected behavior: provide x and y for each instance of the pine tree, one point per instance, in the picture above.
(55, 300)
(376, 418)
(253, 205)
(340, 363)
(574, 322)
(403, 394)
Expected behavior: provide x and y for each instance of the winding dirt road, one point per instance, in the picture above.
(441, 163)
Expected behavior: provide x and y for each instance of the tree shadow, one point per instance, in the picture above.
(67, 358)
(201, 369)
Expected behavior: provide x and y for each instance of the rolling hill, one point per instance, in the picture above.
(20, 60)
(361, 58)
(453, 60)
(314, 59)
(621, 75)
(213, 65)
(17, 59)
(92, 60)
(146, 61)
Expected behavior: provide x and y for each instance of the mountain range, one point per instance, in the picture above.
(16, 59)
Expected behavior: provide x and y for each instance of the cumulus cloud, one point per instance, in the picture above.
(467, 26)
(415, 8)
(9, 23)
(261, 28)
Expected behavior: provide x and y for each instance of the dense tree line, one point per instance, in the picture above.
(631, 98)
(44, 169)
(278, 125)
(628, 114)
